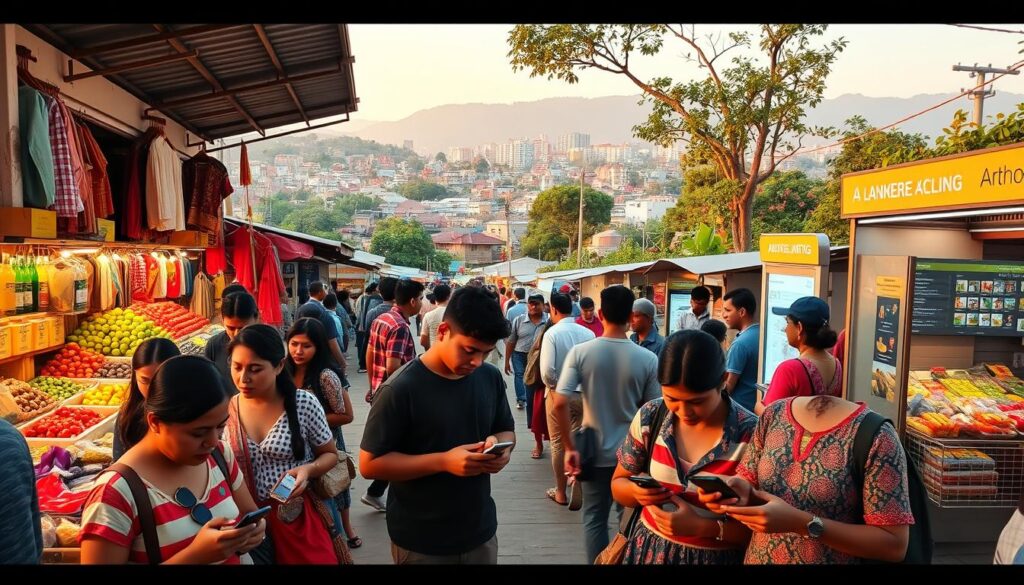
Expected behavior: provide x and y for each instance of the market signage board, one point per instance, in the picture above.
(805, 249)
(979, 179)
(968, 297)
(781, 290)
(890, 291)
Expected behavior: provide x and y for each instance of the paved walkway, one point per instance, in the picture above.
(531, 528)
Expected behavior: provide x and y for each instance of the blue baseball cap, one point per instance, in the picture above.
(806, 310)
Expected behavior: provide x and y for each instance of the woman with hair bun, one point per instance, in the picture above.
(703, 432)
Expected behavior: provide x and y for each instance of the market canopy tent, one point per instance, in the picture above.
(329, 250)
(218, 80)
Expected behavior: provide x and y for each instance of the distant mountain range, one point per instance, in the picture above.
(610, 119)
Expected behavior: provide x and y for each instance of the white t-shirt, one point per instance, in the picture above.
(432, 320)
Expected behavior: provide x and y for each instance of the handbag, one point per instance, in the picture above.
(336, 480)
(616, 549)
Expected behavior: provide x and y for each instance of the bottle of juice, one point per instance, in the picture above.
(8, 300)
(19, 284)
(33, 275)
(43, 270)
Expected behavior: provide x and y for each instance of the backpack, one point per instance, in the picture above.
(920, 546)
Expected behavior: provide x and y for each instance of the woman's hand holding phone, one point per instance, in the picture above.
(217, 541)
(648, 496)
(301, 475)
(714, 500)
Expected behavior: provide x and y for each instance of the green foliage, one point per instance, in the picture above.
(704, 242)
(481, 166)
(783, 204)
(419, 190)
(406, 243)
(554, 219)
(746, 108)
(655, 235)
(705, 199)
(440, 157)
(314, 219)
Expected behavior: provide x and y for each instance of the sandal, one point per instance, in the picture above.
(355, 542)
(536, 453)
(551, 494)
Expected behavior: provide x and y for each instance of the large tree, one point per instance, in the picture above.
(554, 219)
(743, 116)
(419, 190)
(784, 202)
(704, 200)
(406, 243)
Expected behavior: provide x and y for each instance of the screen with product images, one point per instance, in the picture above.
(968, 297)
(782, 290)
(678, 303)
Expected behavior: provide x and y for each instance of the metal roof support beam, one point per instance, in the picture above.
(72, 76)
(247, 88)
(281, 134)
(211, 78)
(141, 41)
(262, 34)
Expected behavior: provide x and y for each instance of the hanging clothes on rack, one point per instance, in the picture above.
(138, 279)
(67, 199)
(268, 268)
(203, 297)
(165, 207)
(206, 185)
(87, 219)
(134, 212)
(173, 278)
(37, 177)
(102, 196)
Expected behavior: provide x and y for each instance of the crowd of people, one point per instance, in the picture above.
(669, 434)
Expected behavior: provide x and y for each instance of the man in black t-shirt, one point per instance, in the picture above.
(429, 425)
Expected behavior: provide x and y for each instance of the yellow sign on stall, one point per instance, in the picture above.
(810, 249)
(972, 180)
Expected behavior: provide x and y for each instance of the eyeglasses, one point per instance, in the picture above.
(198, 511)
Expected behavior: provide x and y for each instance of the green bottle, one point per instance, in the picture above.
(20, 286)
(34, 278)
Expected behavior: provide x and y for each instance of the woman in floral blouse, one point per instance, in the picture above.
(704, 432)
(800, 462)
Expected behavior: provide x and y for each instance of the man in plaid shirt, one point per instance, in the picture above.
(390, 346)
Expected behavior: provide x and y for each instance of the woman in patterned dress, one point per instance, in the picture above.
(704, 432)
(800, 465)
(309, 365)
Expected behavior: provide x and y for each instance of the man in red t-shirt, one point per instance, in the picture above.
(587, 317)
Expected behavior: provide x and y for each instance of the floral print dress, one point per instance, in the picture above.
(814, 473)
(647, 545)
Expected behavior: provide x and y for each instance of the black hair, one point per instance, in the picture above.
(817, 335)
(317, 334)
(617, 304)
(442, 292)
(471, 311)
(562, 303)
(371, 287)
(742, 298)
(501, 290)
(587, 303)
(131, 420)
(231, 289)
(185, 388)
(700, 293)
(266, 342)
(693, 358)
(407, 290)
(715, 328)
(431, 298)
(387, 288)
(331, 301)
(520, 293)
(239, 305)
(316, 287)
(343, 295)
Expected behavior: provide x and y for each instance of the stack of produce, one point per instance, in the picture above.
(73, 361)
(176, 319)
(29, 401)
(116, 332)
(959, 403)
(106, 395)
(59, 388)
(64, 423)
(114, 370)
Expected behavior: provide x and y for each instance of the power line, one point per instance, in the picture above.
(990, 29)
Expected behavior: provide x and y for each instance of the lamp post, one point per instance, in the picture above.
(579, 241)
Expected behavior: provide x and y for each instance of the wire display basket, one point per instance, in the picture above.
(969, 473)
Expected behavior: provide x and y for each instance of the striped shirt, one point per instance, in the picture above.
(111, 514)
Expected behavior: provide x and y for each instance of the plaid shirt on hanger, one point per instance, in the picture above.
(68, 200)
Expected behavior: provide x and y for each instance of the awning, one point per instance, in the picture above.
(331, 251)
(709, 264)
(288, 249)
(218, 80)
(365, 260)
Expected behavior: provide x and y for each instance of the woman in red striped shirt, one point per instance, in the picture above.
(193, 503)
(704, 432)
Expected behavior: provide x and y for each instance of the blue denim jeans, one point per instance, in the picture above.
(519, 368)
(597, 505)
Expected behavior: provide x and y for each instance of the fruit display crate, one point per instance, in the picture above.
(108, 416)
(969, 473)
(92, 384)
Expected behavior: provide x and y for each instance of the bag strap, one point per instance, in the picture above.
(222, 463)
(814, 391)
(145, 511)
(241, 438)
(629, 521)
(862, 443)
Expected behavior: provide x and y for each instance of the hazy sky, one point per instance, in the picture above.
(400, 69)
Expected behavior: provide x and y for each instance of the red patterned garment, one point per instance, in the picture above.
(647, 544)
(813, 472)
(206, 185)
(67, 201)
(137, 279)
(390, 337)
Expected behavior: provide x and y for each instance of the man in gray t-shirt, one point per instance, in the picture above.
(616, 378)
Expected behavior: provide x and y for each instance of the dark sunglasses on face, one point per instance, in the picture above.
(198, 511)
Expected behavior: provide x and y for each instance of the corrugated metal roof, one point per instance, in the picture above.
(709, 264)
(316, 58)
(336, 250)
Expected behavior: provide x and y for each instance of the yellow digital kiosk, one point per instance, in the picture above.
(795, 265)
(936, 323)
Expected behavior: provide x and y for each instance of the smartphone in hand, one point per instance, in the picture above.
(499, 448)
(284, 488)
(253, 517)
(645, 481)
(713, 483)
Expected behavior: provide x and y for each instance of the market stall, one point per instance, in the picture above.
(936, 326)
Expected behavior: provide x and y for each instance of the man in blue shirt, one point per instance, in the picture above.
(739, 311)
(645, 334)
(21, 538)
(519, 308)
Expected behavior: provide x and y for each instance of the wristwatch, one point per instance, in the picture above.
(815, 528)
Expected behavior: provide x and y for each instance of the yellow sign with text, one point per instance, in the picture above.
(987, 177)
(812, 249)
(890, 286)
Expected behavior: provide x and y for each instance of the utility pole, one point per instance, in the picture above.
(579, 241)
(508, 229)
(979, 93)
